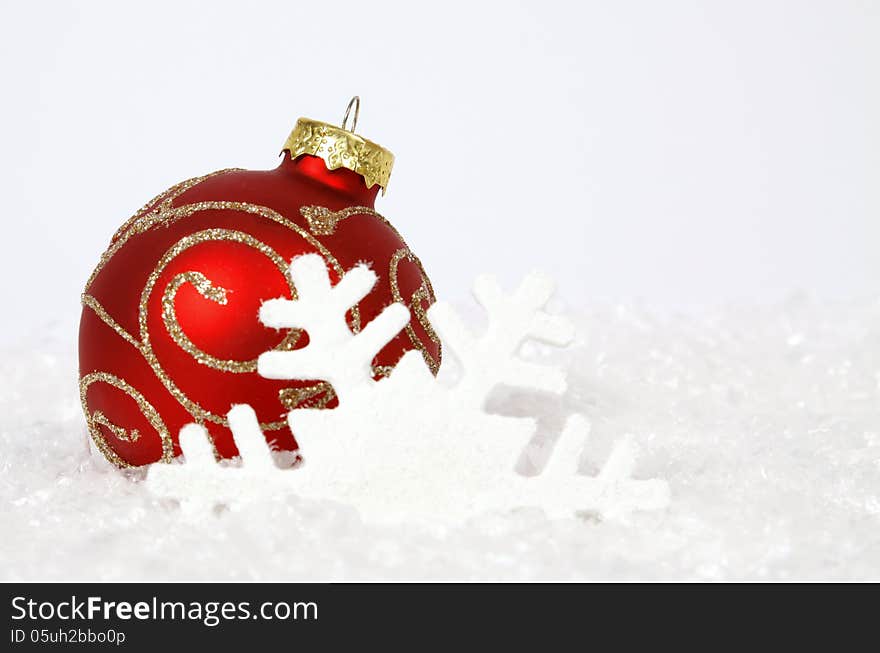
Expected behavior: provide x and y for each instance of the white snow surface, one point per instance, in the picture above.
(764, 421)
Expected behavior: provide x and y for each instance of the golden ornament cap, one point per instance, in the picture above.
(342, 148)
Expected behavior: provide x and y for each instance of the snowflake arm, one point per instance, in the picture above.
(491, 359)
(199, 482)
(334, 353)
(611, 494)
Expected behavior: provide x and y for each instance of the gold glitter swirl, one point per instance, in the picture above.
(382, 370)
(141, 221)
(314, 396)
(146, 348)
(146, 408)
(92, 303)
(322, 221)
(424, 293)
(167, 196)
(216, 294)
(118, 431)
(265, 212)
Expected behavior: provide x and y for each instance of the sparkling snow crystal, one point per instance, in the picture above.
(409, 446)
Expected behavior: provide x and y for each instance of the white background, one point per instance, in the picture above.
(685, 154)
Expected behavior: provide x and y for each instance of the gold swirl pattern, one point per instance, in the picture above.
(95, 420)
(144, 218)
(120, 432)
(187, 210)
(322, 221)
(314, 396)
(141, 220)
(216, 294)
(106, 318)
(147, 349)
(144, 347)
(424, 293)
(382, 370)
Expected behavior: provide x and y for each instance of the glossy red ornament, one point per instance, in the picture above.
(169, 331)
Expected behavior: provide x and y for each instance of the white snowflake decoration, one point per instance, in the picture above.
(408, 446)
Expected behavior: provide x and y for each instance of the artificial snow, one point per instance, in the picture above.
(764, 421)
(409, 447)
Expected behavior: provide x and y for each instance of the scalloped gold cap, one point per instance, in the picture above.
(340, 148)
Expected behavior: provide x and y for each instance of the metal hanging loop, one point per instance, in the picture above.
(356, 103)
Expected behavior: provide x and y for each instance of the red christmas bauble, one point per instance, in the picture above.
(169, 331)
